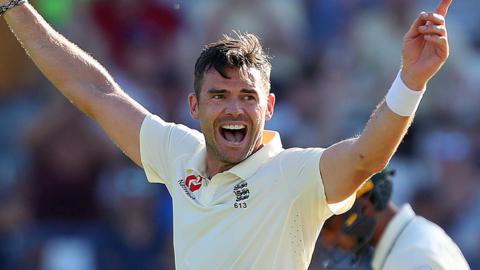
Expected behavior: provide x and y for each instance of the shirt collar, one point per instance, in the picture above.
(272, 145)
(390, 235)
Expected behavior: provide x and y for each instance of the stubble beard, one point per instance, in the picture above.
(230, 162)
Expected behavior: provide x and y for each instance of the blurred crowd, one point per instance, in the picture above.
(69, 200)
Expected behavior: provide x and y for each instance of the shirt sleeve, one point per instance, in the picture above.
(343, 206)
(161, 143)
(309, 184)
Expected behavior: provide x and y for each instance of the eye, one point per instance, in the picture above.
(217, 97)
(248, 97)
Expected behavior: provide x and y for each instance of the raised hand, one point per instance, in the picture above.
(425, 47)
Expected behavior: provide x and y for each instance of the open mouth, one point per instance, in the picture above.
(233, 133)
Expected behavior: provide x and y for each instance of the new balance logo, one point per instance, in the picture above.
(191, 184)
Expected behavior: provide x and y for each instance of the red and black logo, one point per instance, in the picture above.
(191, 184)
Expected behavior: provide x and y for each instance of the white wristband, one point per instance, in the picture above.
(401, 99)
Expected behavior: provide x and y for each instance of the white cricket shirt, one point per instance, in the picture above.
(411, 242)
(264, 213)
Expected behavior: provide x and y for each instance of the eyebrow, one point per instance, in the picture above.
(249, 91)
(222, 91)
(216, 91)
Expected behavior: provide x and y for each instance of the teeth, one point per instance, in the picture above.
(233, 127)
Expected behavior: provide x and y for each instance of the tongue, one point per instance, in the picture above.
(233, 136)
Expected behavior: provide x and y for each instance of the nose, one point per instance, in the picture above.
(234, 108)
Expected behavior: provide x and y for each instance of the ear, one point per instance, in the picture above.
(270, 106)
(193, 104)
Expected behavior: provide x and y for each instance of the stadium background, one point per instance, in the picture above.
(69, 200)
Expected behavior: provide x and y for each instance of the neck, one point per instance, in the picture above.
(384, 219)
(216, 166)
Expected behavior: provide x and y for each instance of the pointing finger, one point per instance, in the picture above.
(442, 8)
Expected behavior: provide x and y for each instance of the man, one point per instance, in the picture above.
(400, 239)
(240, 200)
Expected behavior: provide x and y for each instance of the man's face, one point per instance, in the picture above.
(232, 113)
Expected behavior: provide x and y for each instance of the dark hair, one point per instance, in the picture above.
(242, 51)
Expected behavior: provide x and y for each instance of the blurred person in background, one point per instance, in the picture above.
(67, 159)
(233, 171)
(376, 233)
(131, 239)
(15, 216)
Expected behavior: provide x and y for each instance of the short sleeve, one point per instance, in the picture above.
(309, 184)
(160, 145)
(343, 206)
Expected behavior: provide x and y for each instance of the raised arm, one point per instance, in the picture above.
(346, 165)
(79, 77)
